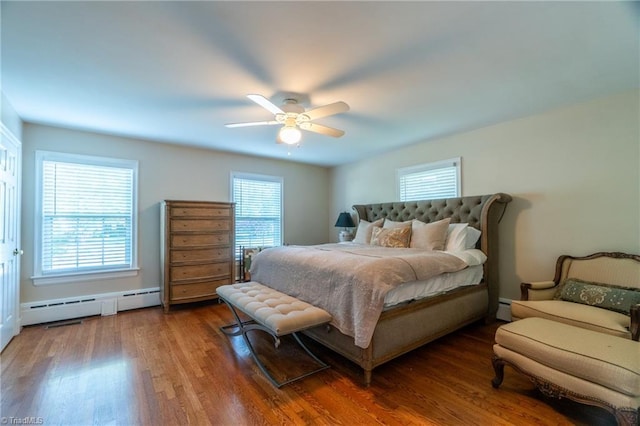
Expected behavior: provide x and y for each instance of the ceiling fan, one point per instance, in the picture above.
(293, 117)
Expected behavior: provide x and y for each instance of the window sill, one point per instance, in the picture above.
(89, 276)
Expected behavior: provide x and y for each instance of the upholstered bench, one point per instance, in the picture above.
(572, 362)
(273, 312)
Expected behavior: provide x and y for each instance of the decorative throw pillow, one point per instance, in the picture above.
(391, 224)
(391, 237)
(429, 236)
(363, 233)
(606, 296)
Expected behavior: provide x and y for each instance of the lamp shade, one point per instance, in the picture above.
(344, 221)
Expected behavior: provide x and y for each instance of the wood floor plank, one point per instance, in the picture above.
(145, 367)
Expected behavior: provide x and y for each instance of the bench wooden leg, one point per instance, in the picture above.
(242, 327)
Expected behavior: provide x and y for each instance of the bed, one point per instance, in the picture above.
(385, 327)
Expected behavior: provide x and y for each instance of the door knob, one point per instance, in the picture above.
(17, 252)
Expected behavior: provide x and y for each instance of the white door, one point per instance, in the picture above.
(10, 161)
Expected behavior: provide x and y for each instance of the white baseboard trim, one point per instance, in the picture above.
(504, 310)
(84, 306)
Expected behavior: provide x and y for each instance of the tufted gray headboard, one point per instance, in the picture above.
(480, 211)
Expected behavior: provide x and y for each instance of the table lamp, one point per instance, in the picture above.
(345, 221)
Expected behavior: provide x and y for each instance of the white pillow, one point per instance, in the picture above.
(473, 235)
(456, 237)
(363, 233)
(461, 236)
(429, 236)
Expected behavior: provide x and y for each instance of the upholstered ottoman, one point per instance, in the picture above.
(273, 312)
(575, 363)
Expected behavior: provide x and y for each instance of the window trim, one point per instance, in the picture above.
(259, 177)
(456, 161)
(38, 277)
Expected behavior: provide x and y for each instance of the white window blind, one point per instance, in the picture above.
(258, 201)
(87, 214)
(430, 181)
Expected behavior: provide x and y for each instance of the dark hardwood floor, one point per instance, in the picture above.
(150, 368)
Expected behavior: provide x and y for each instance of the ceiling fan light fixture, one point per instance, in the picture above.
(294, 118)
(290, 135)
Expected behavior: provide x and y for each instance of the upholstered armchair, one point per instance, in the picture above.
(599, 292)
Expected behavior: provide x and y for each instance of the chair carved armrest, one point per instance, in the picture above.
(527, 289)
(635, 322)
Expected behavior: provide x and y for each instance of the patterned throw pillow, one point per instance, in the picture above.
(391, 237)
(611, 297)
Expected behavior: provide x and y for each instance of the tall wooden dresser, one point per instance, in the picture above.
(197, 240)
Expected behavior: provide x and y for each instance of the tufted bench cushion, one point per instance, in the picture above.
(280, 313)
(570, 361)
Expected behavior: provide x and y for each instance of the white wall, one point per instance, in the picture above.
(574, 174)
(10, 118)
(169, 172)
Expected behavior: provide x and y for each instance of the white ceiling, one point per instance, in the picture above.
(178, 71)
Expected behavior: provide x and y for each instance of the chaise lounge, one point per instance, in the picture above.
(576, 337)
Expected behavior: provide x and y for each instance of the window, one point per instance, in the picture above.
(430, 181)
(86, 216)
(258, 201)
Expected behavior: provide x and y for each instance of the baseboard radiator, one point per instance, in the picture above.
(504, 310)
(84, 306)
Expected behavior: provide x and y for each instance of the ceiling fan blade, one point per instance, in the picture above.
(324, 130)
(265, 103)
(323, 111)
(252, 123)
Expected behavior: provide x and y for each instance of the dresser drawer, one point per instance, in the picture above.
(200, 240)
(196, 290)
(204, 271)
(200, 225)
(200, 255)
(200, 212)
